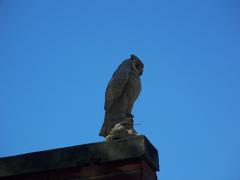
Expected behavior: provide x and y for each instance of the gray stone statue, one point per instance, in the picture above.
(121, 93)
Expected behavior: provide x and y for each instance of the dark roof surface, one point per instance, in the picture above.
(81, 155)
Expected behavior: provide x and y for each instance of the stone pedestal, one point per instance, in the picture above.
(132, 158)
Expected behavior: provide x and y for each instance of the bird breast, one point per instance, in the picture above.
(133, 87)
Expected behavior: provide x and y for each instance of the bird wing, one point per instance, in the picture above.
(116, 87)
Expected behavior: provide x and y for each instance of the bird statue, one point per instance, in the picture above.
(121, 93)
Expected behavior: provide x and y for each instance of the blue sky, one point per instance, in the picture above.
(56, 58)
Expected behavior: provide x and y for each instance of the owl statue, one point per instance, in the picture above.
(121, 93)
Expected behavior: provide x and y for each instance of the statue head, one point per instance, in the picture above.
(137, 64)
(131, 64)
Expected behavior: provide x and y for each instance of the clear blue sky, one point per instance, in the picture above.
(56, 57)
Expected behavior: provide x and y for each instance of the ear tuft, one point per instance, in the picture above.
(133, 56)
